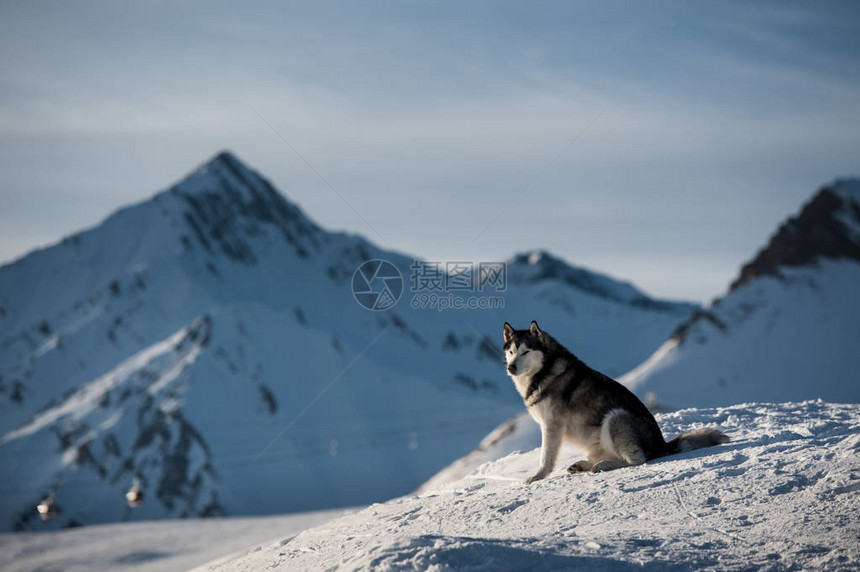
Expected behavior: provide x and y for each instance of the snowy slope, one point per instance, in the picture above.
(521, 433)
(207, 342)
(782, 495)
(155, 546)
(789, 328)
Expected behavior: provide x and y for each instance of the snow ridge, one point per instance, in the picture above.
(83, 401)
(539, 266)
(826, 227)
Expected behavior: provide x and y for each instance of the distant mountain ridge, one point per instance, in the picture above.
(207, 343)
(787, 328)
(539, 265)
(828, 226)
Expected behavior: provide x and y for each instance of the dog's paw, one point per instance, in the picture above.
(533, 478)
(600, 467)
(582, 466)
(609, 465)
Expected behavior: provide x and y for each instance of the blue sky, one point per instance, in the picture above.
(709, 122)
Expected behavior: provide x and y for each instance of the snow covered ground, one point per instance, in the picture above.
(146, 546)
(782, 495)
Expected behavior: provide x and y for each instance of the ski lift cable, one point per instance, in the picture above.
(465, 423)
(316, 398)
(323, 434)
(378, 442)
(401, 426)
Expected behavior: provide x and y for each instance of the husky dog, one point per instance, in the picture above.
(569, 400)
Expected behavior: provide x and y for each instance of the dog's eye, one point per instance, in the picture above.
(525, 352)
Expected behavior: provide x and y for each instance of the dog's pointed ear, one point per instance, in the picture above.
(509, 332)
(535, 329)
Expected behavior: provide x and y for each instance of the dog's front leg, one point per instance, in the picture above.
(550, 444)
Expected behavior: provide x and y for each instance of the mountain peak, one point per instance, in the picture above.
(225, 160)
(539, 265)
(222, 172)
(225, 155)
(227, 203)
(828, 226)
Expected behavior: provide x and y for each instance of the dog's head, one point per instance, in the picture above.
(524, 349)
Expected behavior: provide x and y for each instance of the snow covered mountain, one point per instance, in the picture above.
(207, 343)
(782, 495)
(789, 327)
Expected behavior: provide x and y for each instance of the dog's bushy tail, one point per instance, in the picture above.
(696, 439)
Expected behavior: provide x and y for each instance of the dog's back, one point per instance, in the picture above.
(597, 396)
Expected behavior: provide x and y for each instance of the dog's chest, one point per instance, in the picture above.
(543, 413)
(572, 423)
(521, 382)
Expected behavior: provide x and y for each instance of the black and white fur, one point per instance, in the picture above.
(569, 400)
